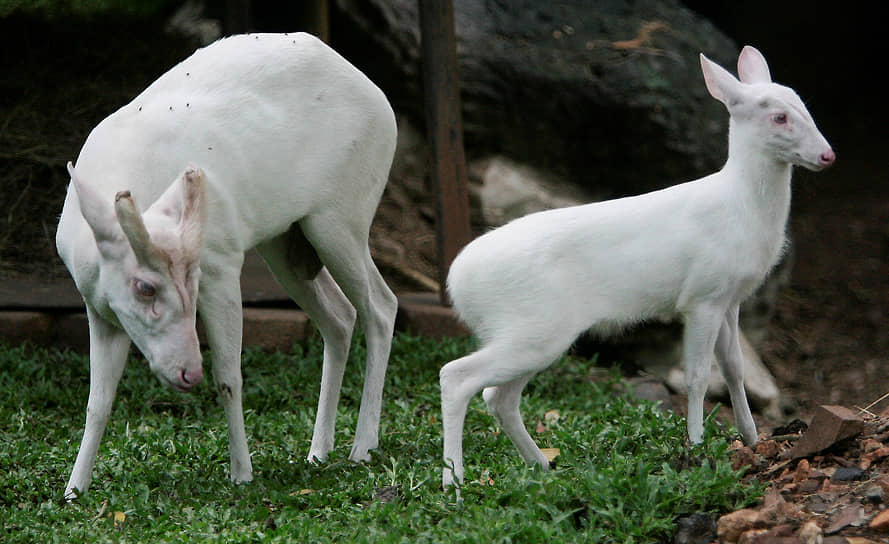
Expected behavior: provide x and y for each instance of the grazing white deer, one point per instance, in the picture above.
(291, 148)
(698, 249)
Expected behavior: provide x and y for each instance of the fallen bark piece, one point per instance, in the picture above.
(880, 522)
(731, 526)
(802, 471)
(830, 425)
(873, 456)
(746, 457)
(763, 536)
(811, 533)
(775, 535)
(869, 445)
(883, 482)
(768, 449)
(852, 515)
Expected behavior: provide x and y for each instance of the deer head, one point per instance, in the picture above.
(148, 271)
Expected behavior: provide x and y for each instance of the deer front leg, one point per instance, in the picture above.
(109, 347)
(699, 339)
(220, 309)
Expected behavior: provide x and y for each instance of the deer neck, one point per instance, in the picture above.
(760, 181)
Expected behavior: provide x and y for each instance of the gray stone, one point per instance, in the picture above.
(830, 425)
(697, 528)
(651, 389)
(656, 347)
(848, 474)
(507, 190)
(874, 494)
(760, 384)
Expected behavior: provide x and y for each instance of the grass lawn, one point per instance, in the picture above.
(623, 475)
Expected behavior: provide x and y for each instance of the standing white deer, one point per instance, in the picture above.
(290, 148)
(697, 249)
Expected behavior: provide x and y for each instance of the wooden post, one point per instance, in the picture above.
(444, 127)
(317, 14)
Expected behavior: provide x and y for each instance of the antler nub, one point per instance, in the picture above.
(134, 228)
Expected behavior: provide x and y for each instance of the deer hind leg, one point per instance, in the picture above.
(731, 361)
(341, 243)
(503, 367)
(297, 268)
(503, 401)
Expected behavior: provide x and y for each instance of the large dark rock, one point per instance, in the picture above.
(607, 94)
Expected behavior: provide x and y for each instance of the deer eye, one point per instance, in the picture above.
(779, 118)
(144, 289)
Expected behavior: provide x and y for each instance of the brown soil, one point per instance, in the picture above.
(836, 493)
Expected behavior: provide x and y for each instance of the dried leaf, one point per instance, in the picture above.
(103, 509)
(852, 515)
(550, 453)
(303, 492)
(551, 416)
(119, 518)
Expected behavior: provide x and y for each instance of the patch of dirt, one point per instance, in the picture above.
(839, 493)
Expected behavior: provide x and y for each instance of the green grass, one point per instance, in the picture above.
(624, 474)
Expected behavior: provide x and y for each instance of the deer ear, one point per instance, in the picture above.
(752, 66)
(722, 85)
(98, 213)
(194, 210)
(184, 202)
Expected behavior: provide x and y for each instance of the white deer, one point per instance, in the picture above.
(290, 148)
(697, 249)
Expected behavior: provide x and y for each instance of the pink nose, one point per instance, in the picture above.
(827, 158)
(190, 378)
